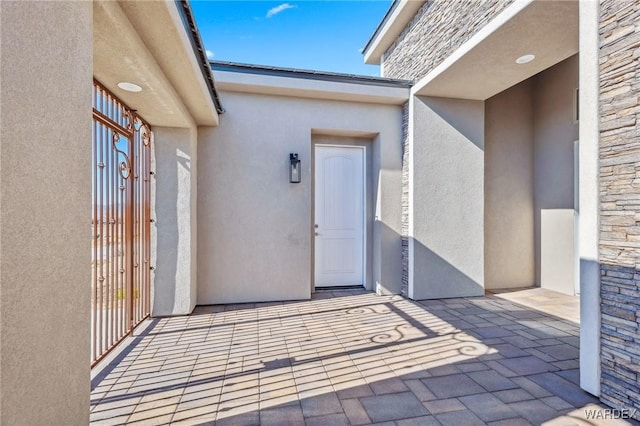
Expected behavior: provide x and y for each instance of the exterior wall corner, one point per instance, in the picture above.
(174, 231)
(45, 188)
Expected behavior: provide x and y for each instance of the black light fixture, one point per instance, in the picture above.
(294, 171)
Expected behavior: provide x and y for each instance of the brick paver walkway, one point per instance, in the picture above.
(349, 357)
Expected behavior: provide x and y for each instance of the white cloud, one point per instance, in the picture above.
(275, 10)
(210, 54)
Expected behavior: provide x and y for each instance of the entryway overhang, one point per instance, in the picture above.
(148, 44)
(486, 64)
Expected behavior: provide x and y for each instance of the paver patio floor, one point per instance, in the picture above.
(349, 357)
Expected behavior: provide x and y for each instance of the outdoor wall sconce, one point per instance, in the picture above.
(294, 171)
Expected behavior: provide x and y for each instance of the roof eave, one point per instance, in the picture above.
(394, 22)
(198, 48)
(307, 74)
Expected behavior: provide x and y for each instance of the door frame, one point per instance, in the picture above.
(365, 200)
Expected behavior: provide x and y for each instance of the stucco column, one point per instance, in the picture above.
(174, 242)
(446, 200)
(387, 244)
(45, 212)
(588, 199)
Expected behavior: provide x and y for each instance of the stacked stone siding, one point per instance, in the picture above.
(437, 30)
(620, 202)
(404, 230)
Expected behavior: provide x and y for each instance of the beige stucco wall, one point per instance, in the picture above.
(555, 132)
(254, 227)
(589, 198)
(45, 193)
(174, 208)
(529, 191)
(446, 218)
(509, 190)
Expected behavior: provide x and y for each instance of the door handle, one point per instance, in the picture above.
(317, 233)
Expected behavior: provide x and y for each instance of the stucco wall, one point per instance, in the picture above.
(529, 189)
(437, 30)
(254, 227)
(589, 198)
(619, 203)
(175, 221)
(555, 132)
(405, 199)
(45, 188)
(446, 242)
(509, 189)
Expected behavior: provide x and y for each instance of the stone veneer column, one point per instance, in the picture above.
(620, 203)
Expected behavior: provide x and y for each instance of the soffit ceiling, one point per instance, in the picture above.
(547, 29)
(139, 42)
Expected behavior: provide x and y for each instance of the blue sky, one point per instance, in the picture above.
(318, 35)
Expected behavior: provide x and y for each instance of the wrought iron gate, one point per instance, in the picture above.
(120, 283)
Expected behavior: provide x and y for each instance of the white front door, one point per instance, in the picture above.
(339, 216)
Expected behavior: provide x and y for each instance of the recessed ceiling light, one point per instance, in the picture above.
(525, 59)
(129, 87)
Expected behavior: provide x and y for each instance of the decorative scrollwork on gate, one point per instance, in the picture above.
(125, 164)
(145, 134)
(130, 120)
